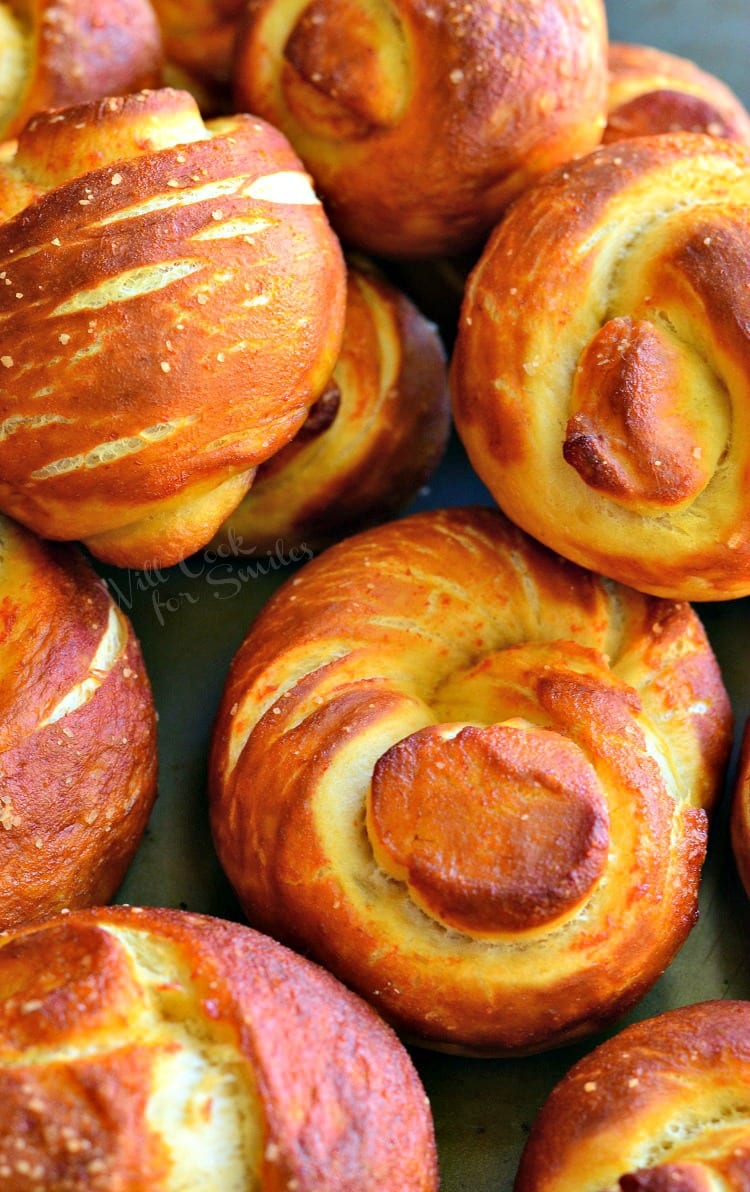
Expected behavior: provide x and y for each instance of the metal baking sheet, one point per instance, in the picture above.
(192, 618)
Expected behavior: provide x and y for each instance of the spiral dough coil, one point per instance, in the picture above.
(470, 778)
(661, 1106)
(601, 379)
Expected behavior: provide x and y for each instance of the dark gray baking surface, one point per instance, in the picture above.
(192, 618)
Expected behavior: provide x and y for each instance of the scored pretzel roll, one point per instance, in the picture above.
(148, 1048)
(661, 1107)
(377, 433)
(198, 38)
(77, 732)
(173, 304)
(652, 91)
(470, 779)
(54, 53)
(601, 377)
(420, 121)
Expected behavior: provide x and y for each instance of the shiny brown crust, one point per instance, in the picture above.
(66, 52)
(469, 778)
(158, 1049)
(77, 733)
(651, 91)
(420, 121)
(661, 1107)
(384, 436)
(601, 373)
(173, 304)
(198, 38)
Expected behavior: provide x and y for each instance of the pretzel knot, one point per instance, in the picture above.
(603, 350)
(470, 778)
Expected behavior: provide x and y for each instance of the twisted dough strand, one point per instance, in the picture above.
(470, 778)
(603, 346)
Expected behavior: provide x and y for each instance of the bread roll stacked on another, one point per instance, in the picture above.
(154, 1049)
(661, 1106)
(471, 779)
(377, 433)
(601, 377)
(77, 733)
(54, 53)
(651, 91)
(173, 305)
(198, 37)
(421, 122)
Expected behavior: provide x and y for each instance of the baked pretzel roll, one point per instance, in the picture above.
(421, 121)
(471, 779)
(660, 1107)
(651, 91)
(159, 1049)
(601, 377)
(173, 304)
(377, 433)
(77, 733)
(55, 53)
(198, 38)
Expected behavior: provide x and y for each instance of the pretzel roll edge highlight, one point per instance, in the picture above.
(144, 1047)
(470, 778)
(602, 356)
(173, 303)
(77, 735)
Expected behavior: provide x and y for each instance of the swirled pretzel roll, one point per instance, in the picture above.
(740, 812)
(377, 433)
(199, 40)
(651, 91)
(55, 53)
(77, 733)
(471, 779)
(420, 120)
(159, 1049)
(601, 377)
(173, 304)
(660, 1107)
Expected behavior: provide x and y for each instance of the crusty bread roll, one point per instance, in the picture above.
(601, 378)
(661, 1107)
(198, 38)
(470, 778)
(377, 433)
(173, 304)
(420, 122)
(161, 1050)
(77, 732)
(54, 53)
(651, 91)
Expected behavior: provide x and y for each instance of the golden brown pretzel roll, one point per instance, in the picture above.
(54, 53)
(173, 304)
(661, 1107)
(163, 1050)
(469, 778)
(421, 121)
(377, 433)
(198, 40)
(77, 732)
(651, 91)
(601, 378)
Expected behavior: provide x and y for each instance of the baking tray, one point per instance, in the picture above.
(192, 618)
